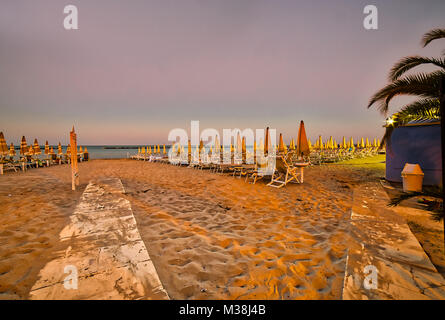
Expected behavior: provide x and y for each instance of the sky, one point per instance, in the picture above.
(134, 70)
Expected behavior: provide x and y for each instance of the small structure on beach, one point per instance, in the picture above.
(417, 142)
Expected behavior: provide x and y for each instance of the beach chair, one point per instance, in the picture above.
(285, 173)
(259, 172)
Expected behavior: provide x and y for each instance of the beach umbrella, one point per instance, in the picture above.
(367, 143)
(189, 151)
(362, 143)
(309, 143)
(238, 143)
(302, 145)
(80, 149)
(163, 149)
(46, 147)
(292, 144)
(59, 149)
(68, 150)
(142, 150)
(335, 144)
(217, 144)
(254, 151)
(139, 150)
(30, 151)
(351, 144)
(267, 142)
(23, 146)
(320, 142)
(243, 149)
(374, 143)
(281, 145)
(201, 145)
(11, 150)
(3, 146)
(149, 150)
(343, 144)
(37, 147)
(51, 151)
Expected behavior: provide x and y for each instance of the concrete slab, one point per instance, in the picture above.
(106, 250)
(381, 238)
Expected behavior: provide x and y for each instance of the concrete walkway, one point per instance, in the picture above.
(382, 238)
(105, 250)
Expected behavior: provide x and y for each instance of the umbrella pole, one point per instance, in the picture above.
(442, 130)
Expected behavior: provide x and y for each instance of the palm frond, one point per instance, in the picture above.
(435, 208)
(432, 35)
(408, 63)
(425, 85)
(420, 109)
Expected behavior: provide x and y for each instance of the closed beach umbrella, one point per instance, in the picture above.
(149, 150)
(238, 143)
(80, 149)
(59, 149)
(320, 142)
(51, 151)
(281, 145)
(309, 143)
(68, 150)
(335, 144)
(23, 146)
(11, 150)
(362, 143)
(142, 150)
(4, 150)
(46, 147)
(163, 149)
(367, 143)
(302, 145)
(30, 151)
(139, 150)
(267, 142)
(374, 143)
(189, 151)
(343, 145)
(201, 146)
(37, 147)
(217, 145)
(243, 149)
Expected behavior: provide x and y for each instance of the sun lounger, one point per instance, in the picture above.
(285, 173)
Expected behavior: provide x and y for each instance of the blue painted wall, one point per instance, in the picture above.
(415, 144)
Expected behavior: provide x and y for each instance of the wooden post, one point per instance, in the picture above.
(74, 168)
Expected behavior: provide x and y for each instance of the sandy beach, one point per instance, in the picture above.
(210, 236)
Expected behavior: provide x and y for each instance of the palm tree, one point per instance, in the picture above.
(424, 85)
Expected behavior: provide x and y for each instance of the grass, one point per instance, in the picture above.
(374, 162)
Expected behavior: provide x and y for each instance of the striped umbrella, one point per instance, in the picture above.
(51, 151)
(23, 146)
(3, 146)
(281, 145)
(30, 151)
(46, 147)
(11, 150)
(80, 149)
(68, 150)
(37, 147)
(243, 150)
(59, 149)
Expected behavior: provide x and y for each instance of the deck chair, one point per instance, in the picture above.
(259, 172)
(285, 173)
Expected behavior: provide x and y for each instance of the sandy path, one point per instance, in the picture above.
(210, 236)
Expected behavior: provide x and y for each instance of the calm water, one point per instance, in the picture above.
(111, 152)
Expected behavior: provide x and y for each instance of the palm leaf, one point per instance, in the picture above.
(432, 35)
(408, 63)
(425, 85)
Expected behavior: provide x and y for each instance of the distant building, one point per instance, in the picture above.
(415, 142)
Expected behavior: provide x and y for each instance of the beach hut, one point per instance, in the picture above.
(416, 142)
(302, 145)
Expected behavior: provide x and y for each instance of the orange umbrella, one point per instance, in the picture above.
(11, 150)
(189, 151)
(37, 147)
(30, 151)
(59, 149)
(281, 145)
(3, 146)
(68, 150)
(51, 151)
(243, 149)
(46, 147)
(266, 144)
(23, 146)
(302, 145)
